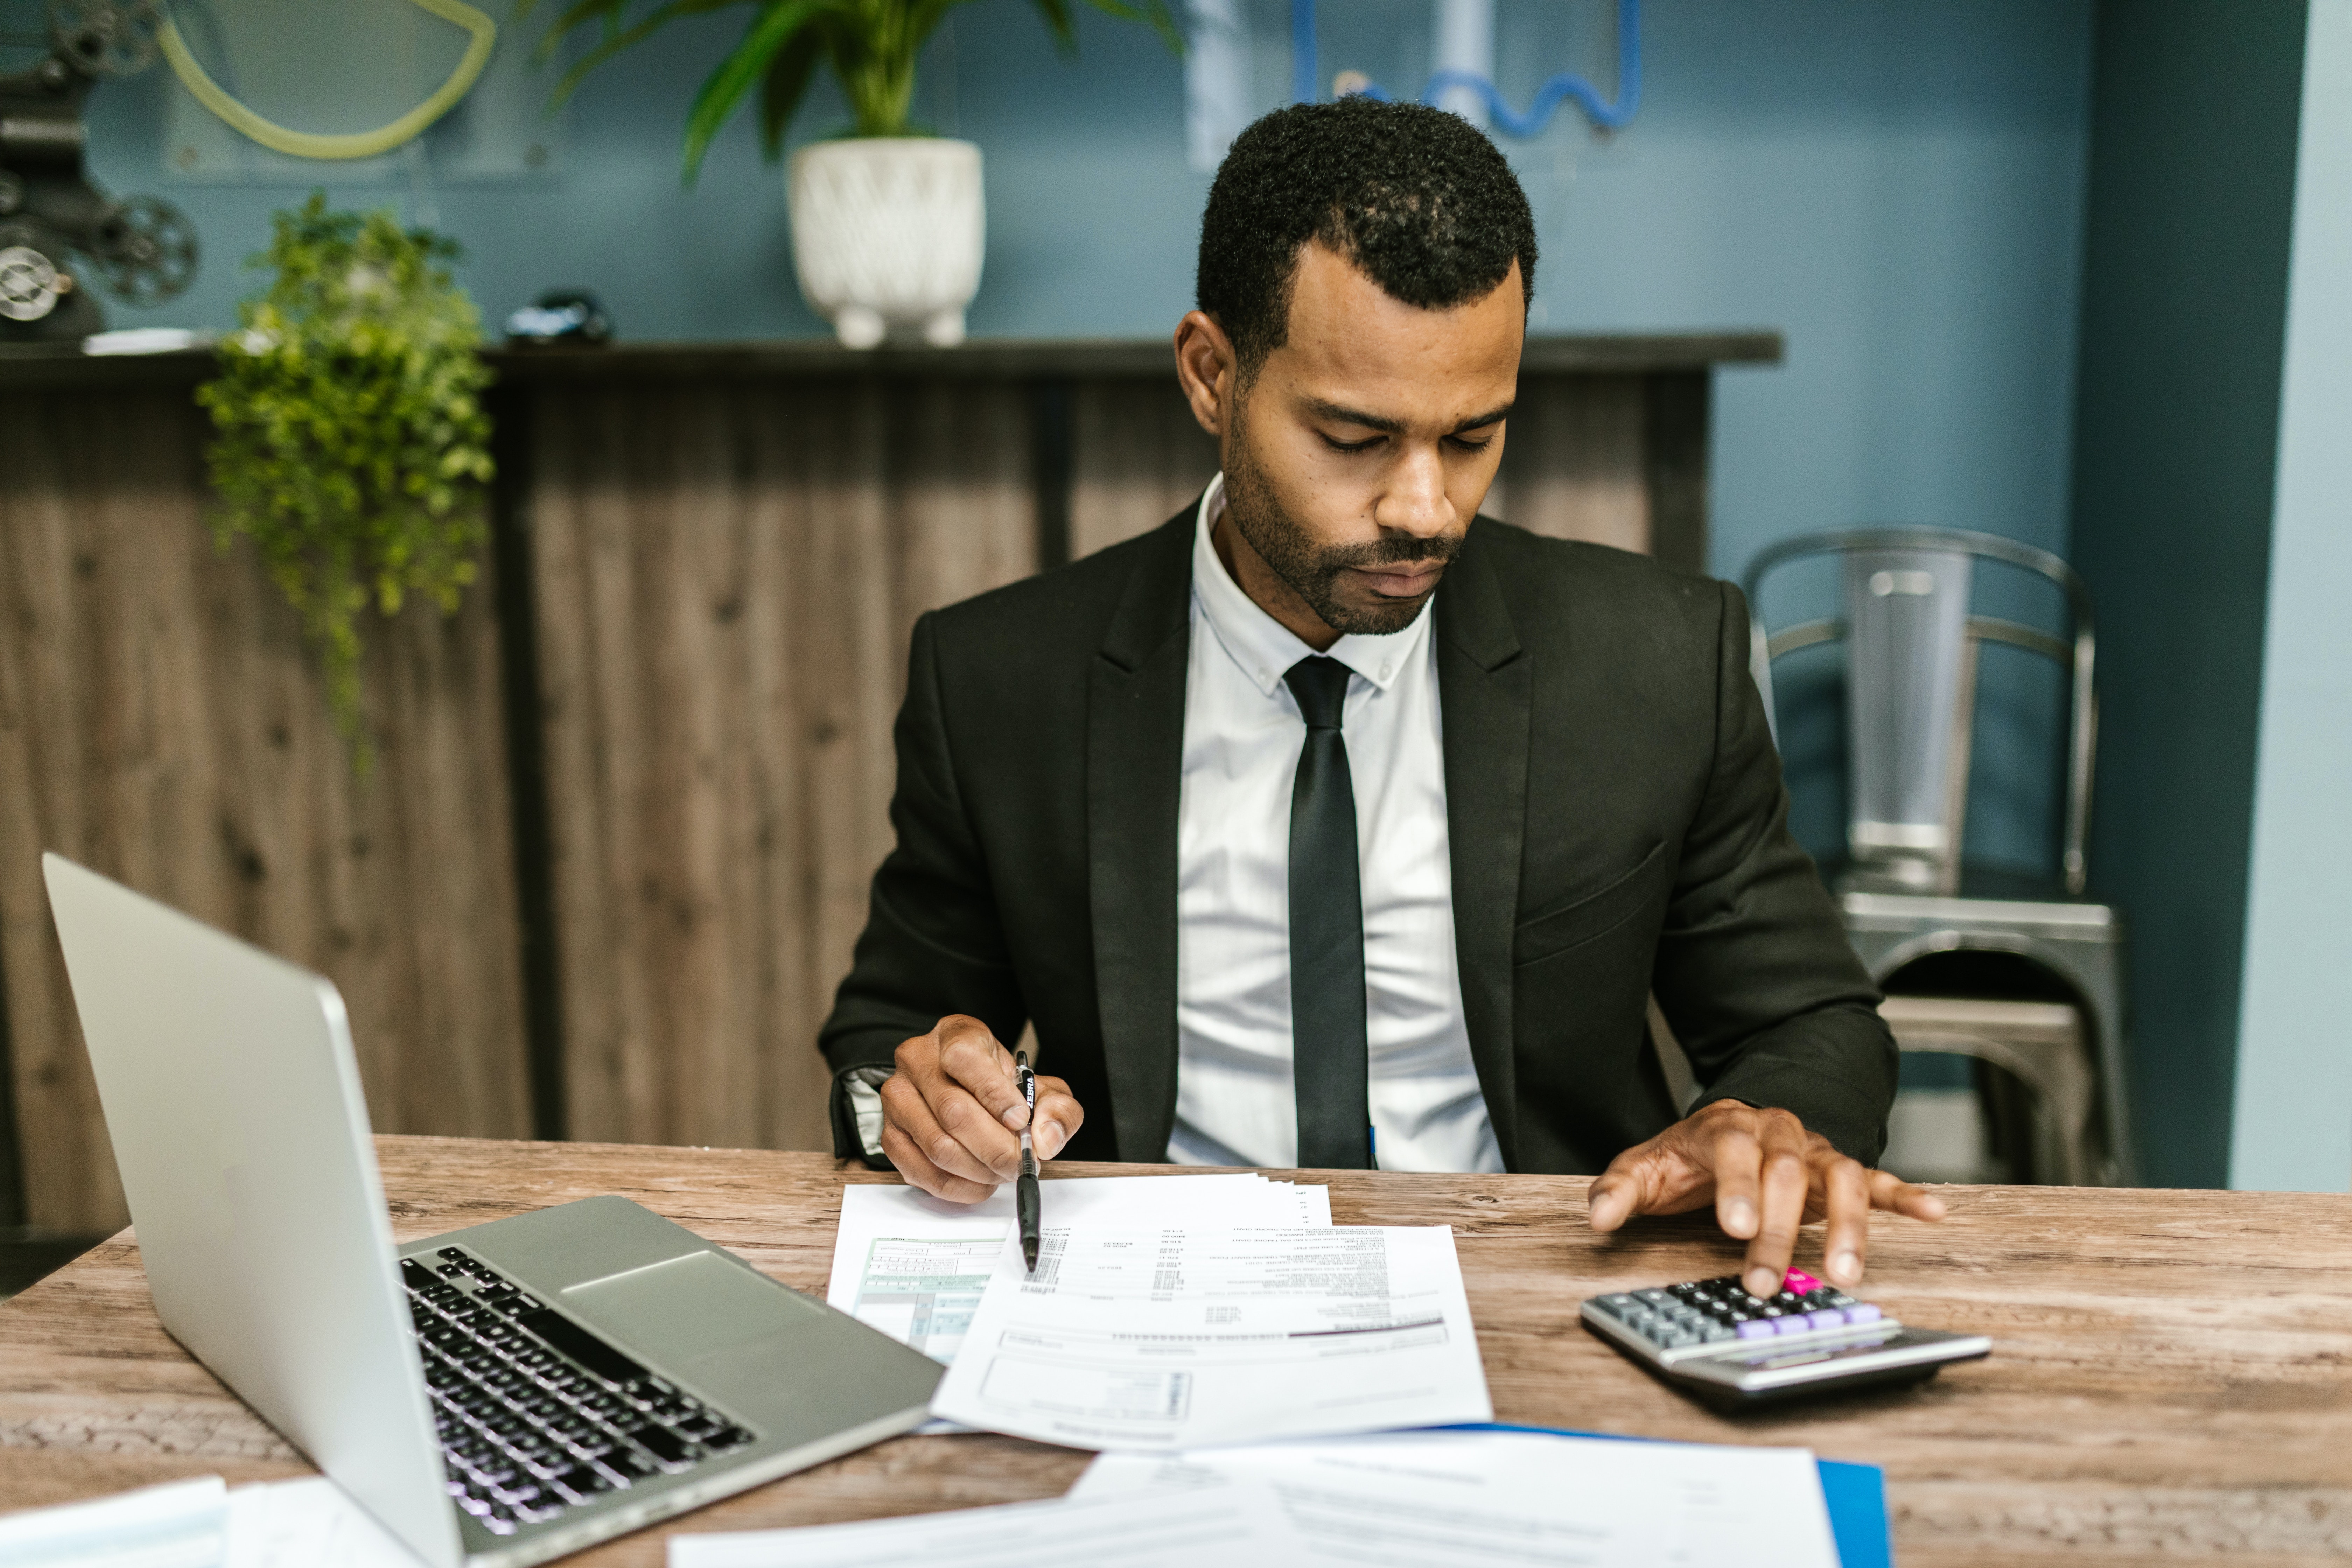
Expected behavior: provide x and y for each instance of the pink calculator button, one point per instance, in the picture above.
(1800, 1282)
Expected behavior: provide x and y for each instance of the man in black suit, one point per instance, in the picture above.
(1327, 826)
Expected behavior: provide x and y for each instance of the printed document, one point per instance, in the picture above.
(913, 1266)
(1211, 1527)
(1499, 1500)
(1160, 1340)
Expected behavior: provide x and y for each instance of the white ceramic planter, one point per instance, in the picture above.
(887, 234)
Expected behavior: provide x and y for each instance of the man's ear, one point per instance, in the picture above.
(1206, 367)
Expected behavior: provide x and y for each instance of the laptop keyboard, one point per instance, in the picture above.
(536, 1415)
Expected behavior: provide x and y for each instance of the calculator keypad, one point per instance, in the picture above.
(1711, 1312)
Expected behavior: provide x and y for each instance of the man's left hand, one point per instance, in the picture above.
(1766, 1176)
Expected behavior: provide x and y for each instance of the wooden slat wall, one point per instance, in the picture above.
(1575, 460)
(1138, 456)
(160, 721)
(727, 580)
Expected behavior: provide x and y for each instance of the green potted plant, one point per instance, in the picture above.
(350, 442)
(889, 224)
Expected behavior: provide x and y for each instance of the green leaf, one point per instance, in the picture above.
(782, 89)
(1060, 23)
(745, 65)
(617, 37)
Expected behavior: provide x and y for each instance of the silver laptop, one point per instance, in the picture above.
(500, 1395)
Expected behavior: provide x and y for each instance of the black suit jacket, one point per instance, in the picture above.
(1616, 815)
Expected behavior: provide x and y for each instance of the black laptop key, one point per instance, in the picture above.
(415, 1275)
(662, 1444)
(583, 1482)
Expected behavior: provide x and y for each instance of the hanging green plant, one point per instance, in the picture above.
(351, 442)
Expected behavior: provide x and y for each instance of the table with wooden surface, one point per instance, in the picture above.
(2171, 1375)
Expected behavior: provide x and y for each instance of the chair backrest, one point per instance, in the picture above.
(1911, 688)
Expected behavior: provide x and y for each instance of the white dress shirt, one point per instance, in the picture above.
(1242, 734)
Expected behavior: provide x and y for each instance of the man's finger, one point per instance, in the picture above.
(1737, 1161)
(918, 1115)
(1623, 1190)
(901, 1152)
(1059, 1117)
(1898, 1196)
(958, 1114)
(1844, 1189)
(971, 1055)
(1785, 1182)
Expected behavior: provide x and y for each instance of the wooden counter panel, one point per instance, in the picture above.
(727, 578)
(2171, 1376)
(161, 721)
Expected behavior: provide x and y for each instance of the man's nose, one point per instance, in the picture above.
(1415, 502)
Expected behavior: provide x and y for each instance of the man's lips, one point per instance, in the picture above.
(1407, 582)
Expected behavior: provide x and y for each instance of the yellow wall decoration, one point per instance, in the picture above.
(355, 144)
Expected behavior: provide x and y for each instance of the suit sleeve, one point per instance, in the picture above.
(932, 944)
(1754, 972)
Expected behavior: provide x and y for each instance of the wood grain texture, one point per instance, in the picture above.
(2171, 1376)
(726, 580)
(1140, 455)
(1575, 461)
(161, 721)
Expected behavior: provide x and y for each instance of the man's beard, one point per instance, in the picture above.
(1312, 573)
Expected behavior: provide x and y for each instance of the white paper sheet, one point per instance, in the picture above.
(1488, 1499)
(309, 1524)
(1167, 1339)
(181, 1524)
(1215, 1526)
(913, 1266)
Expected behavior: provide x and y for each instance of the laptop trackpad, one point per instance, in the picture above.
(690, 1307)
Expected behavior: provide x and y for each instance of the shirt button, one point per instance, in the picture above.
(1384, 670)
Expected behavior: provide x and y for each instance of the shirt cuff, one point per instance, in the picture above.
(860, 1090)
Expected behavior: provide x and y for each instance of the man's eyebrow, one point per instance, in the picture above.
(1339, 414)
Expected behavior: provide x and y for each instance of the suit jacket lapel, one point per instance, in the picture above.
(1135, 746)
(1483, 685)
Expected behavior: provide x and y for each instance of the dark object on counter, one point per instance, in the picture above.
(143, 249)
(562, 316)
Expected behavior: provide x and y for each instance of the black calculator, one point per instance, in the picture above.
(1712, 1338)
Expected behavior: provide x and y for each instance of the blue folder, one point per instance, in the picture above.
(1856, 1494)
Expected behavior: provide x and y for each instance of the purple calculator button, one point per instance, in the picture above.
(1827, 1318)
(1794, 1323)
(1862, 1312)
(1756, 1329)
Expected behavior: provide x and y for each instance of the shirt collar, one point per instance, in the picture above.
(1263, 647)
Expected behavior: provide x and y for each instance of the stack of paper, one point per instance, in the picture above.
(1405, 1500)
(1471, 1500)
(914, 1266)
(1213, 1527)
(1173, 1337)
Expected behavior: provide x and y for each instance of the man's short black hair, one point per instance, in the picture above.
(1416, 197)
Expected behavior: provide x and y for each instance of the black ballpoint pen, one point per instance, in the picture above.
(1025, 1190)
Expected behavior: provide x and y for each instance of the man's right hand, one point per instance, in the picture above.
(953, 1113)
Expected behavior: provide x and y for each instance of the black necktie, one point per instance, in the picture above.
(1329, 1067)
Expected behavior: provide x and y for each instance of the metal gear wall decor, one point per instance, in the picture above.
(143, 248)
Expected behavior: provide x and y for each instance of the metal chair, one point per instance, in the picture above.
(1913, 641)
